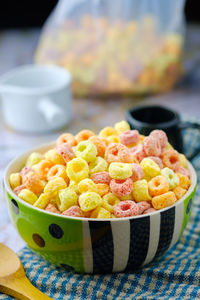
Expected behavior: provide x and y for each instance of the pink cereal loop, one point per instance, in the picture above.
(157, 160)
(138, 152)
(143, 205)
(25, 171)
(116, 152)
(121, 188)
(161, 136)
(183, 171)
(152, 146)
(73, 211)
(101, 177)
(149, 210)
(126, 208)
(138, 173)
(66, 151)
(19, 188)
(51, 208)
(129, 137)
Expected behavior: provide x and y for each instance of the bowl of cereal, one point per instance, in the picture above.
(102, 203)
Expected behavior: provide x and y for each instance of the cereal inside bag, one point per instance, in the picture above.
(102, 179)
(115, 47)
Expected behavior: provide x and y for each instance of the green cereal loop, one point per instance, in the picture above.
(98, 165)
(86, 150)
(119, 170)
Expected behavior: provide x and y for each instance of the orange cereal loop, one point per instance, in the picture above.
(158, 185)
(184, 181)
(164, 200)
(84, 135)
(179, 192)
(86, 214)
(102, 189)
(33, 183)
(66, 138)
(57, 171)
(100, 145)
(42, 168)
(116, 152)
(52, 208)
(106, 141)
(171, 159)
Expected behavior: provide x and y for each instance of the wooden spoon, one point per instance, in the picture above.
(13, 280)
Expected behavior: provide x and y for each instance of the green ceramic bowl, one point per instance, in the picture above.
(97, 246)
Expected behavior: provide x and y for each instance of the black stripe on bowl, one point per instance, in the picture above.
(139, 242)
(166, 230)
(102, 246)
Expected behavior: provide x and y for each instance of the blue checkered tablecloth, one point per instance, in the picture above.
(176, 275)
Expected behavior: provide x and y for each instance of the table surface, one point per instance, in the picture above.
(17, 48)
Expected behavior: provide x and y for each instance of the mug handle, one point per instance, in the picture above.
(50, 110)
(192, 125)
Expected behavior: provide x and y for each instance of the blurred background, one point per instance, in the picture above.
(168, 73)
(95, 40)
(19, 14)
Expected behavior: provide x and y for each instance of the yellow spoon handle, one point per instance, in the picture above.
(21, 288)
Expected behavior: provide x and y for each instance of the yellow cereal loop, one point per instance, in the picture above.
(122, 126)
(27, 196)
(140, 191)
(53, 156)
(109, 201)
(89, 201)
(54, 185)
(113, 139)
(87, 185)
(100, 213)
(86, 150)
(74, 186)
(164, 200)
(183, 160)
(126, 197)
(150, 168)
(172, 177)
(77, 169)
(119, 170)
(66, 198)
(15, 180)
(169, 147)
(33, 159)
(98, 165)
(102, 189)
(42, 201)
(107, 131)
(184, 181)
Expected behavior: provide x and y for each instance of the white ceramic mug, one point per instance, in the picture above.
(36, 98)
